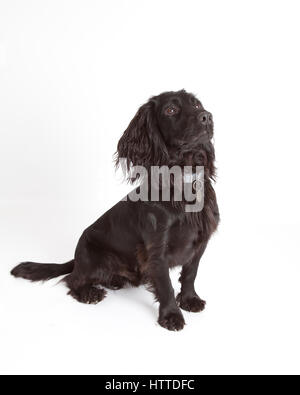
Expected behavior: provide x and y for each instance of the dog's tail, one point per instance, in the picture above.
(41, 272)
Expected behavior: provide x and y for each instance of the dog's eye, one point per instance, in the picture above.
(197, 106)
(171, 110)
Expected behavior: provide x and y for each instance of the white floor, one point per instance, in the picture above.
(249, 278)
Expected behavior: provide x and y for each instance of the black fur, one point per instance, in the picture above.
(137, 242)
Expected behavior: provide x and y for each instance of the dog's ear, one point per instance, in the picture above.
(142, 144)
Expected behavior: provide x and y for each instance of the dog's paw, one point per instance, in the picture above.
(88, 295)
(191, 303)
(173, 320)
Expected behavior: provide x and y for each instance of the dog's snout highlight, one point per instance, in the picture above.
(205, 118)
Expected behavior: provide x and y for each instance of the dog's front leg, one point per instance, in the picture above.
(170, 316)
(188, 298)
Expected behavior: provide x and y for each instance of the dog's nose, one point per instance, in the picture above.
(205, 118)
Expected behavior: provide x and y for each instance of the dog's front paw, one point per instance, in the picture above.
(172, 320)
(191, 303)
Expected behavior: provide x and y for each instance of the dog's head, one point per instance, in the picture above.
(167, 123)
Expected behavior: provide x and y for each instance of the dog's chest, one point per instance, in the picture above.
(183, 244)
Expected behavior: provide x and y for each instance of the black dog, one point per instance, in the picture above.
(137, 242)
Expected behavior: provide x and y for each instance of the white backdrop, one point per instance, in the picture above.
(72, 75)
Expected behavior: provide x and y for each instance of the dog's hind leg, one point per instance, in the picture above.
(115, 282)
(84, 287)
(88, 294)
(94, 266)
